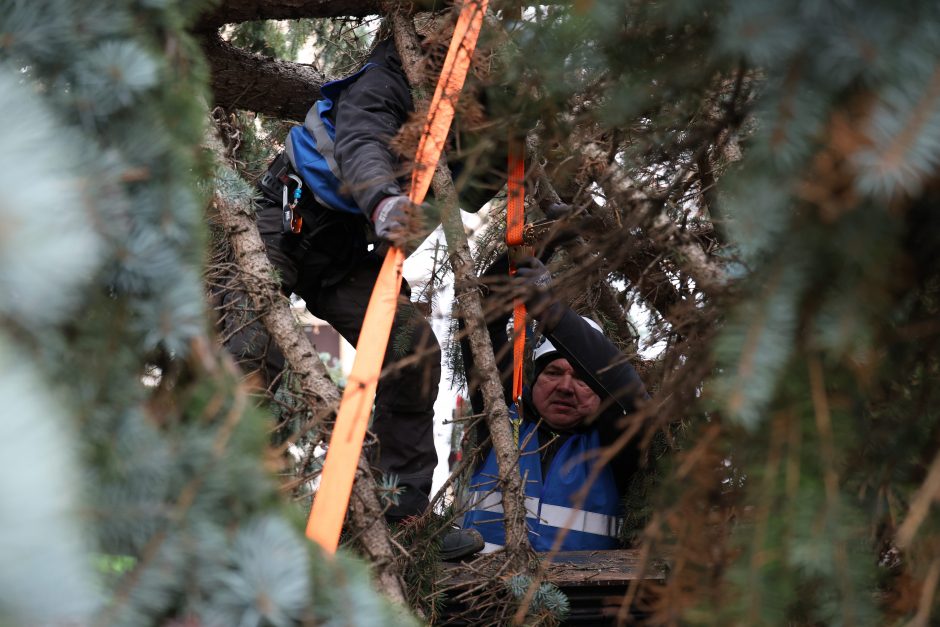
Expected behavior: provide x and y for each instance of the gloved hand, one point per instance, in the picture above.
(564, 221)
(535, 282)
(556, 210)
(392, 217)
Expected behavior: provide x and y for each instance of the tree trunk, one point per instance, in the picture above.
(319, 391)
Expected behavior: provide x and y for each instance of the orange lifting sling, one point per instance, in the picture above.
(515, 221)
(342, 457)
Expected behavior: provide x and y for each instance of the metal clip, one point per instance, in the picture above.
(291, 220)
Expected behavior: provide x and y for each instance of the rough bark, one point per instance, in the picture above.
(235, 11)
(369, 521)
(318, 390)
(469, 306)
(242, 80)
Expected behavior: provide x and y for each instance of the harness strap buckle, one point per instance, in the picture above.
(516, 421)
(273, 180)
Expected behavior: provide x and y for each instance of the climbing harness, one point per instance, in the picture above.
(342, 457)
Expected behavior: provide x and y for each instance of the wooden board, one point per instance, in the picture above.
(573, 568)
(595, 583)
(602, 568)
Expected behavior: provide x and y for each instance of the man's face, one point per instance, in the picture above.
(561, 398)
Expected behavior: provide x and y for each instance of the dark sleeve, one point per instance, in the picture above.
(497, 317)
(479, 165)
(368, 115)
(599, 362)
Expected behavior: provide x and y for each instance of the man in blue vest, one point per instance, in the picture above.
(329, 203)
(582, 388)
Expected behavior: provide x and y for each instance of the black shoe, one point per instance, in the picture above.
(459, 543)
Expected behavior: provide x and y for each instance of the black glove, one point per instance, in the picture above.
(563, 220)
(556, 210)
(535, 282)
(392, 218)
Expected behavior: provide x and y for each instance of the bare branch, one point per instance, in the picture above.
(685, 251)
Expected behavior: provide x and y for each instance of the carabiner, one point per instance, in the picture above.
(291, 220)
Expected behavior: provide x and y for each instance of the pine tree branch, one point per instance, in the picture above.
(468, 304)
(638, 262)
(687, 253)
(318, 390)
(256, 270)
(369, 519)
(893, 158)
(925, 496)
(242, 80)
(189, 491)
(607, 303)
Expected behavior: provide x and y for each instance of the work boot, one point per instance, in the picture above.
(459, 543)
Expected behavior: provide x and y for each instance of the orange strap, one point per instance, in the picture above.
(342, 457)
(515, 220)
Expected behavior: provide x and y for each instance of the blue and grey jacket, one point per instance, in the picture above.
(613, 379)
(551, 500)
(342, 150)
(311, 148)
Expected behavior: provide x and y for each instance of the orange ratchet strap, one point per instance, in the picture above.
(342, 457)
(515, 221)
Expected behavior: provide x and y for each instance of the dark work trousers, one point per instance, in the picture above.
(329, 266)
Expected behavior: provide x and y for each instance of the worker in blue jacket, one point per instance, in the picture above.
(582, 388)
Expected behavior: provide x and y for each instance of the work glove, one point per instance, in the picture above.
(556, 210)
(392, 218)
(565, 229)
(535, 282)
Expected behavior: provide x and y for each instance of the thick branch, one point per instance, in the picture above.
(318, 390)
(369, 520)
(256, 271)
(242, 80)
(235, 11)
(467, 301)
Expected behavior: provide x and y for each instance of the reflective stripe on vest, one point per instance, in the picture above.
(493, 502)
(552, 515)
(548, 510)
(570, 518)
(311, 150)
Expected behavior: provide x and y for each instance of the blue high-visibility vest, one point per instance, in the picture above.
(310, 149)
(550, 507)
